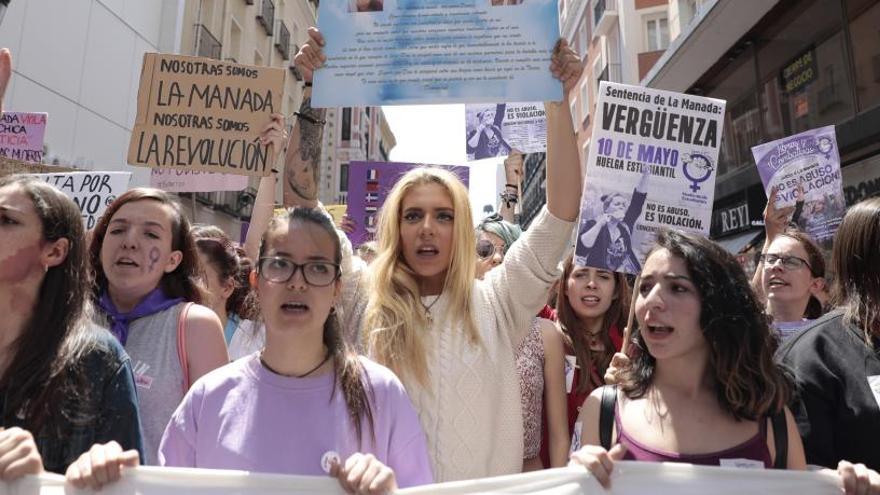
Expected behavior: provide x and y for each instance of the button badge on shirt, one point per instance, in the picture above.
(327, 460)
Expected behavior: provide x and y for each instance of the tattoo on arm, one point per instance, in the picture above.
(302, 169)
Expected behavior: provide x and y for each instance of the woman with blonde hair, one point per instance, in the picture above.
(451, 338)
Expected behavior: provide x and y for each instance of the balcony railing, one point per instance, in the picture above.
(603, 13)
(206, 44)
(266, 16)
(282, 41)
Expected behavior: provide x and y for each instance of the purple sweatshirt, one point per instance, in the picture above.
(242, 416)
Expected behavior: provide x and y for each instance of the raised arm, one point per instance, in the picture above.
(274, 135)
(513, 173)
(519, 287)
(302, 163)
(775, 220)
(563, 162)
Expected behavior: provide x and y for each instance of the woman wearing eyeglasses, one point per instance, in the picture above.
(790, 272)
(306, 404)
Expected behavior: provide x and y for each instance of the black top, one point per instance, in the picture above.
(837, 405)
(106, 411)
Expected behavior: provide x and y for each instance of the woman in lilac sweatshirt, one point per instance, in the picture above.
(304, 404)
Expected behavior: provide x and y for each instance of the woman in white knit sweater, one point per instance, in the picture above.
(449, 338)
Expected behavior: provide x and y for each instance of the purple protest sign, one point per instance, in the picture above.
(805, 171)
(368, 185)
(21, 135)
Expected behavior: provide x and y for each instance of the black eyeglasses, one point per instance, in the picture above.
(789, 262)
(486, 249)
(280, 270)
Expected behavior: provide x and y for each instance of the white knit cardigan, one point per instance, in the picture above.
(471, 410)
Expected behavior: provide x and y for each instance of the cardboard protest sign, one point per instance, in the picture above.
(494, 130)
(652, 164)
(805, 171)
(337, 212)
(91, 191)
(187, 181)
(368, 185)
(21, 135)
(9, 166)
(205, 115)
(436, 51)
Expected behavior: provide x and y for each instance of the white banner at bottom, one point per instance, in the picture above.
(629, 478)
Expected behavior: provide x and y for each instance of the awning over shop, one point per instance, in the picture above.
(736, 243)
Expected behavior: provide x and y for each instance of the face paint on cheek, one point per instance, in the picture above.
(154, 258)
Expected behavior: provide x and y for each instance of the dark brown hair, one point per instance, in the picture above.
(575, 336)
(44, 380)
(350, 373)
(748, 383)
(856, 260)
(184, 280)
(231, 263)
(817, 266)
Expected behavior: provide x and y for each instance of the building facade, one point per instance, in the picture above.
(783, 67)
(80, 61)
(351, 134)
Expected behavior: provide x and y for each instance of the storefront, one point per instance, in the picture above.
(737, 225)
(805, 64)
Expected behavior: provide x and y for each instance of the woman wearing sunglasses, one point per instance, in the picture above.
(791, 270)
(539, 360)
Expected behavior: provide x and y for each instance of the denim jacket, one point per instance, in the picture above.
(111, 400)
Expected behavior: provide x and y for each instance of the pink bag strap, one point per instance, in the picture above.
(181, 344)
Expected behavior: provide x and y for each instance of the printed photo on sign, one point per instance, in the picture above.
(200, 114)
(368, 185)
(804, 170)
(395, 52)
(495, 130)
(91, 191)
(651, 165)
(22, 134)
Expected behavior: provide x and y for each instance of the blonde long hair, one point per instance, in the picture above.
(395, 318)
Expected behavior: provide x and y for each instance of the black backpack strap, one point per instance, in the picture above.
(780, 439)
(606, 415)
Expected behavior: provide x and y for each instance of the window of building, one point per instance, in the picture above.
(234, 40)
(575, 124)
(585, 101)
(657, 33)
(742, 121)
(346, 124)
(803, 71)
(343, 177)
(583, 35)
(864, 30)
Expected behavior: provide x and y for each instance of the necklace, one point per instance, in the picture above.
(263, 362)
(428, 308)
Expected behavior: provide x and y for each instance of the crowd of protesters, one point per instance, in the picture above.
(153, 341)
